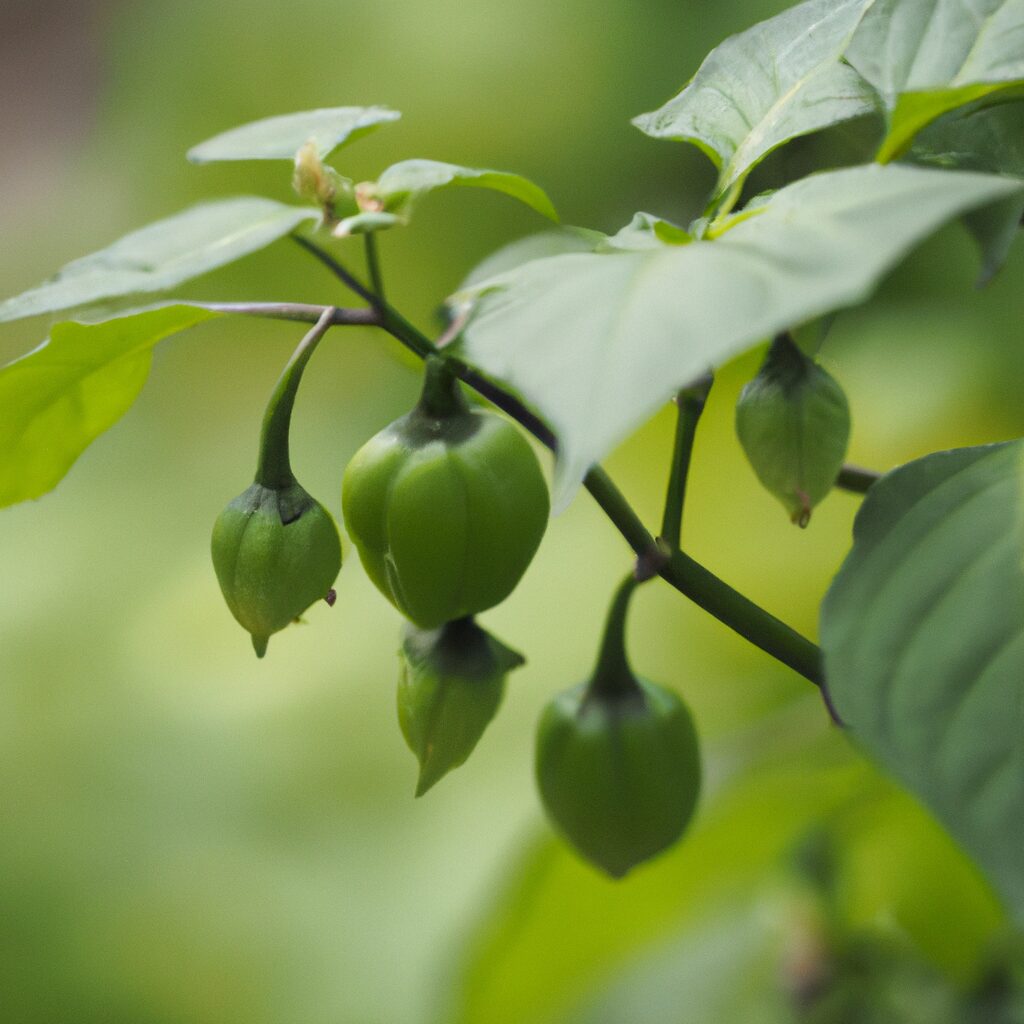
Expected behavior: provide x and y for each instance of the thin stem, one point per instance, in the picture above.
(690, 404)
(743, 616)
(857, 479)
(300, 311)
(612, 676)
(335, 267)
(274, 466)
(373, 267)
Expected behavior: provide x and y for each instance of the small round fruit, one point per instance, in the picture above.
(619, 774)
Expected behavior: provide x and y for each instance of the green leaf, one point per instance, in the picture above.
(556, 242)
(163, 255)
(645, 231)
(778, 80)
(923, 633)
(596, 343)
(78, 383)
(279, 138)
(926, 57)
(365, 224)
(403, 184)
(979, 138)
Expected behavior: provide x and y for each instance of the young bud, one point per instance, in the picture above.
(793, 422)
(275, 552)
(451, 684)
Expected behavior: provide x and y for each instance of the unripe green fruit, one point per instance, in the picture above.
(275, 551)
(619, 773)
(793, 422)
(446, 507)
(451, 684)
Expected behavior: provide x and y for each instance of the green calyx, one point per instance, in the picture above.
(275, 548)
(450, 686)
(275, 552)
(793, 422)
(618, 760)
(446, 506)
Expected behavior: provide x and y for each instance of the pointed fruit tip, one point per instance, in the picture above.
(259, 645)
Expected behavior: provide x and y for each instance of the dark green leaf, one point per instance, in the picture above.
(163, 255)
(923, 633)
(78, 383)
(926, 57)
(778, 80)
(979, 138)
(596, 343)
(279, 138)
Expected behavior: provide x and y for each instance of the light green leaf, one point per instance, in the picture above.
(978, 138)
(163, 255)
(403, 184)
(926, 57)
(778, 80)
(78, 383)
(923, 633)
(596, 343)
(556, 242)
(279, 138)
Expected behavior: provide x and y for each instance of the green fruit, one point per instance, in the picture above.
(619, 774)
(275, 551)
(793, 422)
(451, 684)
(446, 506)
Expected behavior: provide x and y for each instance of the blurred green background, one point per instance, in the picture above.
(190, 836)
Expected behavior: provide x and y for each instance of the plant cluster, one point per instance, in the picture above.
(578, 337)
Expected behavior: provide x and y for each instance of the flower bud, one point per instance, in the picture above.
(793, 422)
(275, 552)
(451, 683)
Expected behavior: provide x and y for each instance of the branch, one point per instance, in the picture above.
(335, 267)
(689, 404)
(857, 479)
(296, 311)
(679, 570)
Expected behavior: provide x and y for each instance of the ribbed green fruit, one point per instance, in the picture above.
(446, 507)
(451, 684)
(619, 774)
(275, 552)
(793, 422)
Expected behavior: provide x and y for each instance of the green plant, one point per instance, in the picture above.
(920, 655)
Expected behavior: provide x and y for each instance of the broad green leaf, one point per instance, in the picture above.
(645, 231)
(778, 80)
(923, 634)
(979, 138)
(596, 343)
(279, 138)
(163, 255)
(926, 57)
(403, 184)
(556, 242)
(560, 928)
(58, 398)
